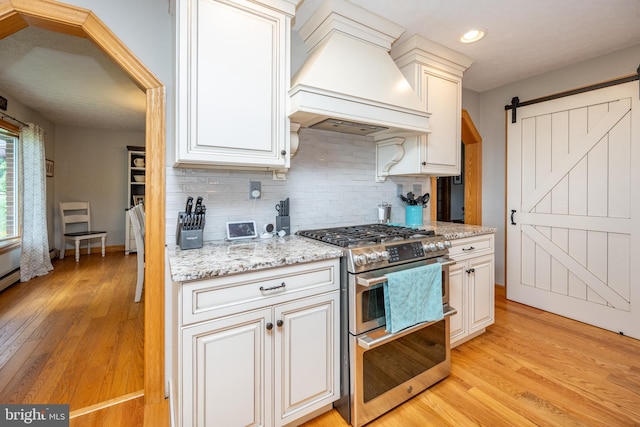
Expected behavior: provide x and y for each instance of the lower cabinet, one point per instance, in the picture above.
(472, 287)
(266, 366)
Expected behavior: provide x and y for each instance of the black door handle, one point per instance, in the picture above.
(513, 211)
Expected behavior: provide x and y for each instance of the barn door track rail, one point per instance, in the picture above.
(515, 101)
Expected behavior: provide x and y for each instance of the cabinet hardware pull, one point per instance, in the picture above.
(273, 288)
(269, 326)
(279, 323)
(513, 211)
(470, 248)
(471, 270)
(424, 163)
(283, 152)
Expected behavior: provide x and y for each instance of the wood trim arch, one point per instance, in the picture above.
(51, 15)
(472, 174)
(472, 171)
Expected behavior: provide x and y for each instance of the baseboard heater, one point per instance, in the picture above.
(9, 279)
(14, 276)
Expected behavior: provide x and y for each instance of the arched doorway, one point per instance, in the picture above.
(18, 14)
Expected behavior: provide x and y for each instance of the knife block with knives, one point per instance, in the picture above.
(191, 225)
(283, 222)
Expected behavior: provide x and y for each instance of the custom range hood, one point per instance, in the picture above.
(349, 82)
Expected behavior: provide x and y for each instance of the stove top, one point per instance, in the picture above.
(368, 234)
(374, 246)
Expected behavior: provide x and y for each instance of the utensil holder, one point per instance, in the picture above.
(189, 236)
(413, 216)
(283, 223)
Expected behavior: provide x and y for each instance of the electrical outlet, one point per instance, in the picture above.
(255, 190)
(399, 190)
(417, 189)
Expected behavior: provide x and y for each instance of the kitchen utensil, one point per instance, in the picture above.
(384, 213)
(190, 225)
(283, 207)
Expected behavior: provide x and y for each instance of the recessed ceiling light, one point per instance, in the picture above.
(472, 36)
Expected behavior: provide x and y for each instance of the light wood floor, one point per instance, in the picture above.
(531, 368)
(73, 336)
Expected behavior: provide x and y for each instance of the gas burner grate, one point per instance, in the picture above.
(359, 235)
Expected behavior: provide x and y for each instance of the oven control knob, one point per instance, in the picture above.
(360, 259)
(447, 243)
(430, 247)
(372, 257)
(441, 246)
(383, 255)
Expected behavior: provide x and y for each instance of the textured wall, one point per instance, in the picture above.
(331, 182)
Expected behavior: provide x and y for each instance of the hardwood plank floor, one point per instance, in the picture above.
(531, 368)
(73, 336)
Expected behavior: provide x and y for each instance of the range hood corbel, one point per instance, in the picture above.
(392, 151)
(349, 82)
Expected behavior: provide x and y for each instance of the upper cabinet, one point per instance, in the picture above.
(435, 73)
(233, 72)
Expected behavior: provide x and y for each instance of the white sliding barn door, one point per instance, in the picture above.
(573, 179)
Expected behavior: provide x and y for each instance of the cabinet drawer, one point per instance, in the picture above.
(212, 298)
(472, 246)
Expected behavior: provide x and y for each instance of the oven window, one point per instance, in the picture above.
(373, 304)
(391, 364)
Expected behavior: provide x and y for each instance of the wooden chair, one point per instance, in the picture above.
(137, 216)
(78, 215)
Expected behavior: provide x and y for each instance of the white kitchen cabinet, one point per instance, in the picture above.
(233, 72)
(136, 157)
(472, 287)
(258, 357)
(435, 73)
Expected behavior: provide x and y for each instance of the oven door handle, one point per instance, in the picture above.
(363, 280)
(368, 343)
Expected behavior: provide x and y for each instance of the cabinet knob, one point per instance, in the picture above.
(279, 323)
(269, 326)
(424, 163)
(471, 270)
(283, 152)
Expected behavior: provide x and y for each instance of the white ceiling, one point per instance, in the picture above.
(68, 81)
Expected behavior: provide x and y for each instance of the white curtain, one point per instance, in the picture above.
(34, 258)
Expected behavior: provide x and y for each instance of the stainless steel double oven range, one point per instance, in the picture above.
(380, 370)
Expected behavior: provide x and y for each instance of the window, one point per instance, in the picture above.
(8, 185)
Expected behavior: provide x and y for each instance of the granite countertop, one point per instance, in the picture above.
(451, 231)
(220, 258)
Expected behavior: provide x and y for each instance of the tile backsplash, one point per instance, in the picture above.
(331, 182)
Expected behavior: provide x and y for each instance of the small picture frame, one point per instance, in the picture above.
(457, 180)
(49, 167)
(138, 199)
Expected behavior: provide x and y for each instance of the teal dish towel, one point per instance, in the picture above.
(413, 296)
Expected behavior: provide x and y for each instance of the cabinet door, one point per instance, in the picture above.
(306, 356)
(442, 96)
(227, 372)
(233, 77)
(458, 300)
(481, 292)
